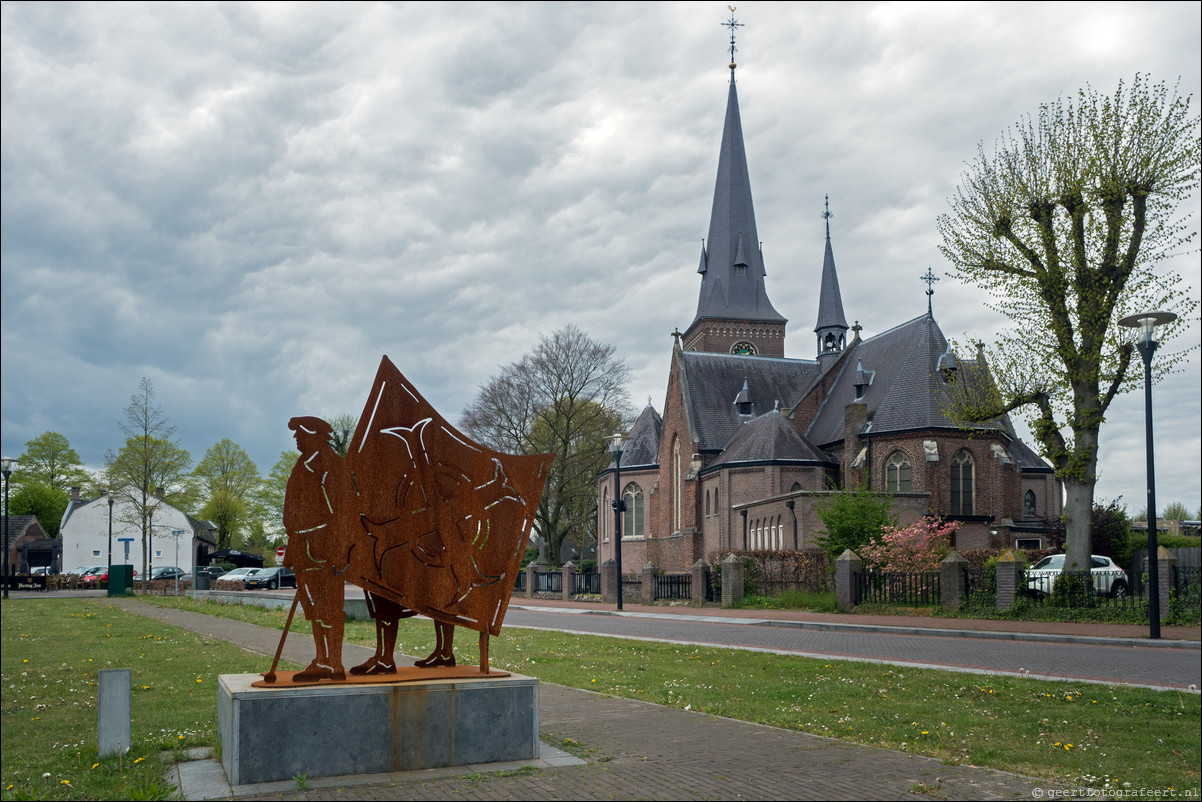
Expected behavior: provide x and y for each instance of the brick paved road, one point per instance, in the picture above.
(1144, 663)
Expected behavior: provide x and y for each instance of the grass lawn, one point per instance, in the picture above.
(1068, 733)
(51, 652)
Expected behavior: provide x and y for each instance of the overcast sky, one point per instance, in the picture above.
(251, 204)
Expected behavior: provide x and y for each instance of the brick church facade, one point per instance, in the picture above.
(749, 439)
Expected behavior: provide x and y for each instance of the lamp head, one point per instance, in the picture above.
(617, 442)
(1145, 322)
(7, 464)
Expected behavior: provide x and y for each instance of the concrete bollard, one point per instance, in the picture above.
(116, 710)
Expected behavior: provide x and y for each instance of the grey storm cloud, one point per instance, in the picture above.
(251, 203)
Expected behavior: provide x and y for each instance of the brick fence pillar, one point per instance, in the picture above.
(649, 572)
(1166, 571)
(530, 580)
(951, 580)
(609, 582)
(1010, 576)
(847, 566)
(701, 580)
(732, 581)
(568, 583)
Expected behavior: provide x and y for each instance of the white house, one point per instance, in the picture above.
(85, 535)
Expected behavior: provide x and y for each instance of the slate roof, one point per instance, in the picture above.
(906, 390)
(726, 291)
(768, 439)
(712, 382)
(830, 300)
(643, 449)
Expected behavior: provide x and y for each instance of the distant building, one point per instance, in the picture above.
(85, 535)
(750, 439)
(29, 546)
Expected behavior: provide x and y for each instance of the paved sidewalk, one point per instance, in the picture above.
(631, 749)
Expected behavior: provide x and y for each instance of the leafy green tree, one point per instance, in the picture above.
(150, 469)
(564, 397)
(1110, 531)
(271, 495)
(229, 483)
(42, 501)
(343, 426)
(48, 459)
(1175, 512)
(852, 518)
(1067, 226)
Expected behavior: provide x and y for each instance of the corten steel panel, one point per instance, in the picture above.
(418, 515)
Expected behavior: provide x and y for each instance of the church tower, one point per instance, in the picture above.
(734, 315)
(832, 325)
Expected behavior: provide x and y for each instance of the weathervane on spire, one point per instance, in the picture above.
(930, 278)
(732, 23)
(827, 215)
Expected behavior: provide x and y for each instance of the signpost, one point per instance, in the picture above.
(177, 534)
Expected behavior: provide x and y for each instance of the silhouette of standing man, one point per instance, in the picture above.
(319, 510)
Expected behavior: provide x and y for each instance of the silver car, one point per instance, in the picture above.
(1108, 578)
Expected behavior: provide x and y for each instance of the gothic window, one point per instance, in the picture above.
(962, 483)
(1029, 504)
(897, 473)
(632, 519)
(715, 501)
(606, 514)
(676, 488)
(796, 486)
(707, 503)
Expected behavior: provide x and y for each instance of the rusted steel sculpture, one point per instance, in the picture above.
(423, 519)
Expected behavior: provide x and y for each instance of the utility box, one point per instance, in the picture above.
(121, 579)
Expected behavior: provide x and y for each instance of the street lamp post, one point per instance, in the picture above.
(8, 471)
(617, 440)
(1145, 323)
(177, 534)
(109, 493)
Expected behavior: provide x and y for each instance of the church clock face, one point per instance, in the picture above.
(743, 348)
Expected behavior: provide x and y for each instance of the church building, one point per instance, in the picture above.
(750, 439)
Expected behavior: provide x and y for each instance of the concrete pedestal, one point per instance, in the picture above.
(270, 734)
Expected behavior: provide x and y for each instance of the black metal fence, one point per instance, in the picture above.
(1187, 590)
(674, 586)
(907, 589)
(587, 584)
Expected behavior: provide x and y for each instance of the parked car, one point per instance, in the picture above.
(271, 578)
(167, 572)
(83, 569)
(1108, 578)
(238, 574)
(100, 574)
(211, 571)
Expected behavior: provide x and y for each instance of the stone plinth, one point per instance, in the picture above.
(270, 734)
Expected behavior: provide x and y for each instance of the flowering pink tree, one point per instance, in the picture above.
(916, 548)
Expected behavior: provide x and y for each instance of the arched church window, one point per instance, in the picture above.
(632, 519)
(676, 488)
(796, 486)
(707, 503)
(962, 483)
(897, 473)
(1029, 504)
(606, 514)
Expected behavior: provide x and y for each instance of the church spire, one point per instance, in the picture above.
(732, 269)
(832, 325)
